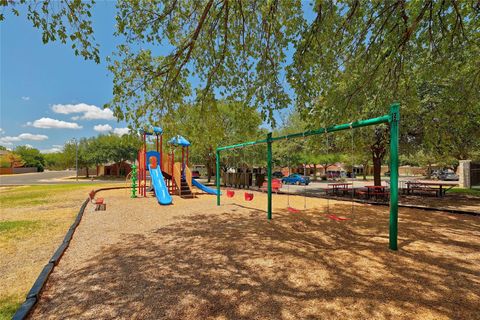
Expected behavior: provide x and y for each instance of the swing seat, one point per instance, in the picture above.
(248, 196)
(230, 193)
(293, 210)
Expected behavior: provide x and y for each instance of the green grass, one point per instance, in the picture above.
(35, 195)
(469, 192)
(16, 229)
(8, 306)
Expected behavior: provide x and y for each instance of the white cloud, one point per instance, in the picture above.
(90, 112)
(34, 137)
(2, 131)
(25, 98)
(53, 149)
(28, 145)
(121, 131)
(102, 128)
(8, 140)
(49, 123)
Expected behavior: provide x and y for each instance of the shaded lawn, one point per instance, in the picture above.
(469, 192)
(33, 222)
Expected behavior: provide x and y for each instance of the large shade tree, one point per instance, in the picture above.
(214, 124)
(357, 57)
(350, 60)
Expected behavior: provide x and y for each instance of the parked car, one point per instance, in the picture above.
(195, 174)
(277, 174)
(448, 176)
(297, 179)
(435, 174)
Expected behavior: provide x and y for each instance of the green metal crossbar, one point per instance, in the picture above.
(392, 119)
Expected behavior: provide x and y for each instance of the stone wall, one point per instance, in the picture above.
(463, 172)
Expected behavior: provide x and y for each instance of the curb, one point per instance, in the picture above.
(34, 294)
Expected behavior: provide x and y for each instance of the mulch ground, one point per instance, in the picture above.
(194, 260)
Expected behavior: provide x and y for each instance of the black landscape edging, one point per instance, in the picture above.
(39, 284)
(25, 309)
(55, 259)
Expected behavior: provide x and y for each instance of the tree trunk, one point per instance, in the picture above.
(209, 171)
(365, 169)
(377, 170)
(378, 149)
(86, 170)
(325, 167)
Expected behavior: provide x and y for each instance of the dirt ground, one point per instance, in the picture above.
(194, 260)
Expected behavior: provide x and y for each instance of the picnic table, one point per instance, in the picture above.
(339, 188)
(437, 187)
(373, 191)
(376, 191)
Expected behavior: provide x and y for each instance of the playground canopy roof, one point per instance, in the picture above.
(179, 141)
(156, 130)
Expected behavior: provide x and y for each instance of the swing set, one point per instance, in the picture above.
(392, 119)
(248, 196)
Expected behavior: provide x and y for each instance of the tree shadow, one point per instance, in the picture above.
(239, 265)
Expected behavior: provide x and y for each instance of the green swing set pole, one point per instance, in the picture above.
(340, 127)
(394, 119)
(217, 176)
(269, 176)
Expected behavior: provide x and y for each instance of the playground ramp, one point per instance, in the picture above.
(203, 187)
(160, 187)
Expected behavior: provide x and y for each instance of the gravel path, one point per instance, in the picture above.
(194, 260)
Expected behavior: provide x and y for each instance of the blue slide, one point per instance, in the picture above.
(203, 188)
(161, 190)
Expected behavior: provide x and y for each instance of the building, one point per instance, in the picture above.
(122, 168)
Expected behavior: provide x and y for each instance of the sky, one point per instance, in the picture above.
(47, 94)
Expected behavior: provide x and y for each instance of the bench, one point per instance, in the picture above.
(383, 195)
(276, 185)
(99, 203)
(362, 193)
(424, 190)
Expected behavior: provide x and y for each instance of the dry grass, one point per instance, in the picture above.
(33, 222)
(193, 260)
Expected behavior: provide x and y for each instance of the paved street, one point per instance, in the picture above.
(47, 177)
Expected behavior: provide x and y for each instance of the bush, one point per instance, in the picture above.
(324, 177)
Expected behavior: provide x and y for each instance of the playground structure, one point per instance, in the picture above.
(167, 176)
(392, 119)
